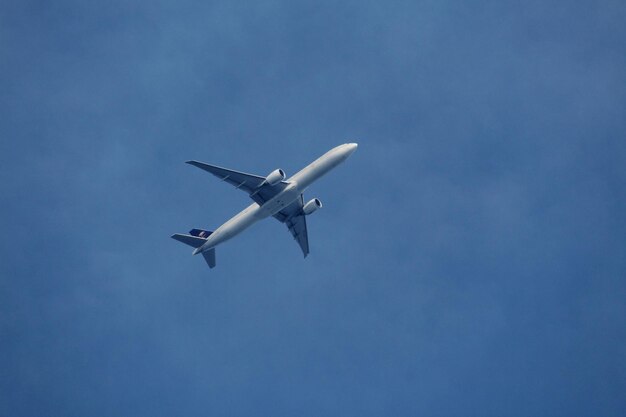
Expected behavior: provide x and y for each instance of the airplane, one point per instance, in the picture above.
(273, 195)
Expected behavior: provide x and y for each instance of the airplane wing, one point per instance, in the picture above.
(254, 185)
(295, 219)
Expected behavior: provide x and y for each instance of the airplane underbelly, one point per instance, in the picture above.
(234, 226)
(281, 201)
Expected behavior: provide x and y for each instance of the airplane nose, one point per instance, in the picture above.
(352, 147)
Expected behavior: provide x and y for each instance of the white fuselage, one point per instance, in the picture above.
(297, 184)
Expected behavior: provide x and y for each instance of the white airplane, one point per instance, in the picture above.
(273, 196)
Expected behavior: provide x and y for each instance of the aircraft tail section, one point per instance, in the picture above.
(193, 241)
(209, 257)
(200, 233)
(196, 238)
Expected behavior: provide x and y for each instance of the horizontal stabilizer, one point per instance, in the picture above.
(193, 241)
(209, 257)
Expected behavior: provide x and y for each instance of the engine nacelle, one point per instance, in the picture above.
(275, 177)
(311, 206)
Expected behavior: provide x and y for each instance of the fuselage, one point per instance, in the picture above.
(298, 183)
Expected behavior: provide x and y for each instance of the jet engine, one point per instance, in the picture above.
(311, 206)
(275, 177)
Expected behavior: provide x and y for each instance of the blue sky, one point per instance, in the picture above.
(469, 259)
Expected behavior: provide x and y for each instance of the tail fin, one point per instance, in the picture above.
(197, 238)
(200, 233)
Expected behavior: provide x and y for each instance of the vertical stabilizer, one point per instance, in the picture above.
(200, 233)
